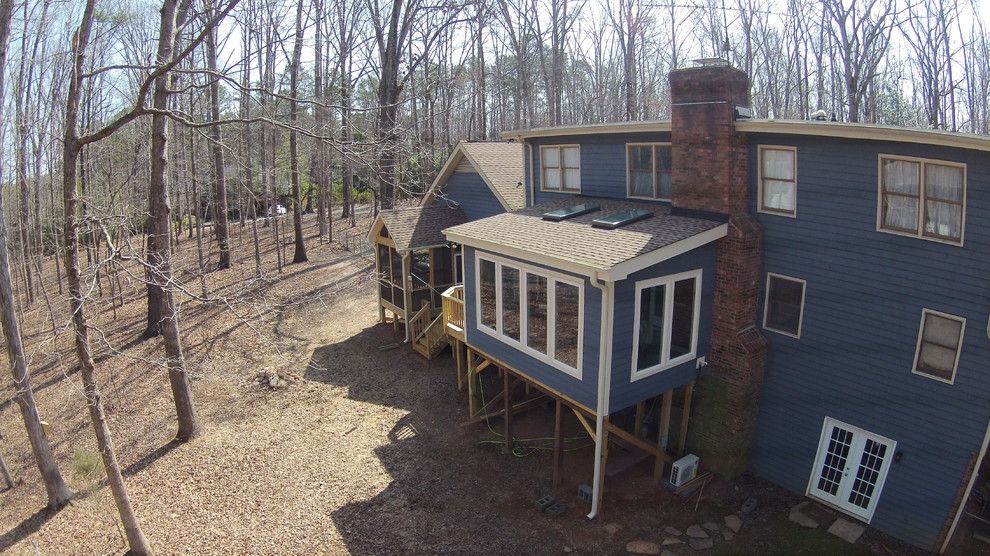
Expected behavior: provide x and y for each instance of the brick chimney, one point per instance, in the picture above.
(710, 174)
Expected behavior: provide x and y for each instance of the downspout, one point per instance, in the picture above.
(531, 170)
(604, 385)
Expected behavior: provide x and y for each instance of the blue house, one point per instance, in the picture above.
(811, 297)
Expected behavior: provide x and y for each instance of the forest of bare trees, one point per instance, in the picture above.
(128, 123)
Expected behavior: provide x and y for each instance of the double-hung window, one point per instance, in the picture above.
(561, 168)
(648, 167)
(939, 343)
(665, 332)
(923, 198)
(537, 311)
(778, 180)
(783, 309)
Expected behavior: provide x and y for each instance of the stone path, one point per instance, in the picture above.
(699, 537)
(811, 515)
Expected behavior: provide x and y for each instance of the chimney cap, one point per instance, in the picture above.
(710, 62)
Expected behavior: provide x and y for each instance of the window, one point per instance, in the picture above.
(535, 310)
(665, 332)
(923, 198)
(778, 180)
(648, 169)
(783, 309)
(561, 166)
(939, 344)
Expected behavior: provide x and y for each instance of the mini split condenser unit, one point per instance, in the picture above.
(684, 470)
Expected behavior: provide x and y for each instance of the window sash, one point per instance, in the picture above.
(647, 181)
(660, 293)
(774, 307)
(940, 339)
(929, 205)
(517, 333)
(778, 186)
(560, 168)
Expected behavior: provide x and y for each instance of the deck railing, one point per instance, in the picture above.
(453, 311)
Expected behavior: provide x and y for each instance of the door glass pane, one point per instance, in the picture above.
(682, 325)
(650, 326)
(536, 312)
(510, 302)
(566, 332)
(486, 284)
(867, 474)
(834, 464)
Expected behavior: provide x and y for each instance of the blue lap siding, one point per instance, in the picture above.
(583, 391)
(470, 191)
(603, 162)
(623, 392)
(864, 298)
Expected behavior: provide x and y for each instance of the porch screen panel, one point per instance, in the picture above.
(536, 312)
(486, 284)
(566, 330)
(682, 324)
(651, 302)
(510, 302)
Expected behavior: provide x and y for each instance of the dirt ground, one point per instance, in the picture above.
(359, 449)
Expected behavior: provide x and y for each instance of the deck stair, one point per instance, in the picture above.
(429, 336)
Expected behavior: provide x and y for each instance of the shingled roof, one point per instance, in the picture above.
(575, 245)
(419, 227)
(500, 165)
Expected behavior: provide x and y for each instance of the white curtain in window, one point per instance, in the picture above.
(778, 195)
(572, 179)
(572, 157)
(551, 157)
(939, 343)
(901, 176)
(943, 182)
(943, 219)
(552, 178)
(778, 164)
(901, 213)
(642, 184)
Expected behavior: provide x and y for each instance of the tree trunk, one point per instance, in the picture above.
(58, 492)
(70, 159)
(300, 253)
(160, 256)
(220, 225)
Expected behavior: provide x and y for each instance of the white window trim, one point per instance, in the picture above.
(522, 343)
(921, 198)
(665, 363)
(877, 489)
(560, 156)
(629, 194)
(759, 181)
(766, 304)
(917, 348)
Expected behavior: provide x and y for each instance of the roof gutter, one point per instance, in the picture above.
(604, 385)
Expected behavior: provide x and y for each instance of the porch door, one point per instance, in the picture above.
(850, 468)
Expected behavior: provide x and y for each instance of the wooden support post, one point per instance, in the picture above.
(470, 383)
(459, 356)
(638, 427)
(601, 473)
(507, 403)
(381, 311)
(395, 321)
(557, 452)
(663, 431)
(685, 417)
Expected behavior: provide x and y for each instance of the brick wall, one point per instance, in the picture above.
(710, 174)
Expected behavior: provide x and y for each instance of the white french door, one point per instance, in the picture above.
(850, 468)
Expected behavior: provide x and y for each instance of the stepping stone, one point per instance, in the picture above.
(733, 523)
(728, 534)
(798, 516)
(673, 532)
(671, 541)
(696, 532)
(701, 544)
(612, 528)
(642, 547)
(713, 527)
(667, 553)
(847, 530)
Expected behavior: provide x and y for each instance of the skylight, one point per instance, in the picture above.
(570, 212)
(620, 219)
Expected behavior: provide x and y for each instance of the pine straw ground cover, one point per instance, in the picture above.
(356, 450)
